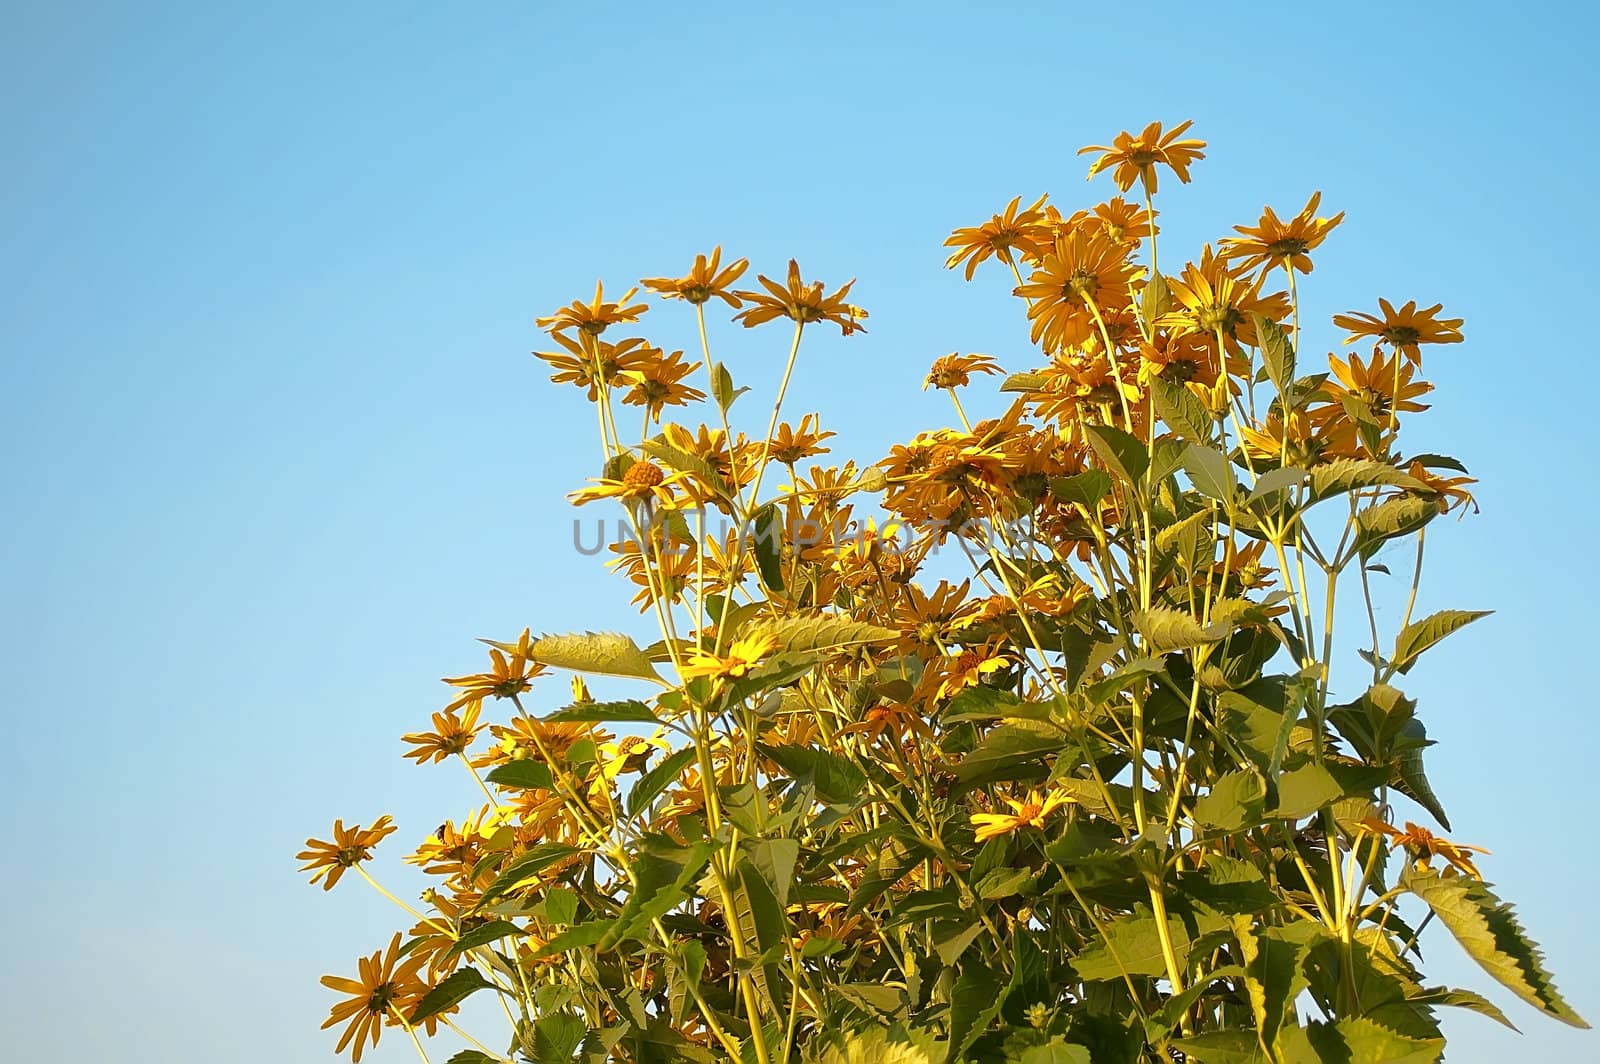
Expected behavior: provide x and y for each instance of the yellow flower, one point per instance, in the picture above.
(1216, 297)
(1136, 157)
(800, 302)
(451, 735)
(1372, 384)
(511, 673)
(1423, 846)
(956, 370)
(1403, 329)
(1272, 243)
(968, 668)
(593, 318)
(386, 984)
(743, 656)
(1007, 230)
(350, 846)
(1081, 268)
(1027, 813)
(658, 383)
(577, 365)
(643, 482)
(704, 280)
(791, 444)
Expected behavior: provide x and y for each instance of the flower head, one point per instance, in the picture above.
(451, 735)
(742, 657)
(955, 370)
(1403, 329)
(1423, 846)
(595, 317)
(1009, 229)
(1026, 813)
(705, 279)
(801, 303)
(511, 672)
(349, 847)
(1136, 157)
(1272, 243)
(387, 984)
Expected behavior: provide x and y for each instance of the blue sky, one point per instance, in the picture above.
(275, 451)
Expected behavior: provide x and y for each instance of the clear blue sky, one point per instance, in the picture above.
(275, 451)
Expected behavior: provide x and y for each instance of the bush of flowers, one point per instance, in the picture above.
(1103, 796)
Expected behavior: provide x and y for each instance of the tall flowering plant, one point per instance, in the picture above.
(1109, 795)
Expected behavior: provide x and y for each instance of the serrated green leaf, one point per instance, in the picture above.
(1488, 930)
(1182, 410)
(1277, 354)
(766, 534)
(1209, 472)
(1420, 635)
(595, 653)
(1086, 488)
(482, 935)
(1234, 802)
(1121, 453)
(628, 710)
(451, 990)
(836, 780)
(527, 867)
(1166, 630)
(1024, 382)
(1133, 945)
(1349, 474)
(1011, 751)
(823, 633)
(1390, 519)
(649, 786)
(524, 774)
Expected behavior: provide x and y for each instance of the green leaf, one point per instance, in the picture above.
(1182, 410)
(595, 653)
(1011, 751)
(1420, 635)
(1488, 930)
(1234, 802)
(527, 867)
(1277, 354)
(772, 929)
(1167, 629)
(1275, 481)
(629, 710)
(1304, 791)
(776, 860)
(1362, 1041)
(524, 774)
(722, 389)
(576, 937)
(482, 935)
(1222, 1047)
(836, 780)
(1348, 474)
(766, 534)
(1024, 382)
(560, 905)
(451, 990)
(649, 786)
(473, 1056)
(823, 633)
(1086, 488)
(556, 1037)
(974, 1003)
(1390, 519)
(1055, 1051)
(1209, 472)
(1133, 944)
(1156, 299)
(1120, 452)
(1462, 999)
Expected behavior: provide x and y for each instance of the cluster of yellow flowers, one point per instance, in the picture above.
(843, 741)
